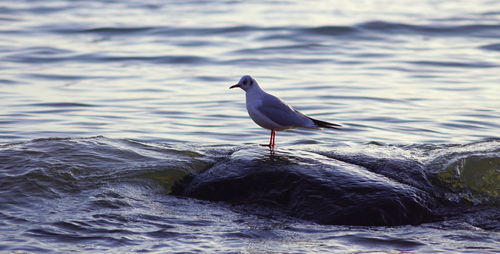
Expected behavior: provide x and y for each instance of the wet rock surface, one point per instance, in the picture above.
(312, 187)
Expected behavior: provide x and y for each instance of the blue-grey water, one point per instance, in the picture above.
(107, 107)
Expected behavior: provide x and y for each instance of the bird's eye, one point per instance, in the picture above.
(245, 82)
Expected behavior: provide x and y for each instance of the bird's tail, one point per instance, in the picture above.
(324, 124)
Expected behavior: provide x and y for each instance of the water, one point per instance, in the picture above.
(113, 114)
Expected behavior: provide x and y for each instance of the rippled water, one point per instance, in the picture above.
(107, 107)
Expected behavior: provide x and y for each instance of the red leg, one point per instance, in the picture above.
(273, 138)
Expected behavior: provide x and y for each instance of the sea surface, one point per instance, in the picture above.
(108, 108)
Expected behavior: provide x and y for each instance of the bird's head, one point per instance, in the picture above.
(246, 83)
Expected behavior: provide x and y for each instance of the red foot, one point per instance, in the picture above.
(271, 140)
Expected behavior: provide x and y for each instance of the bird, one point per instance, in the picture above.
(272, 113)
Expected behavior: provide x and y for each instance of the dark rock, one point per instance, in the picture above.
(311, 187)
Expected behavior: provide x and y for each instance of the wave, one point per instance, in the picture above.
(373, 184)
(156, 30)
(30, 57)
(472, 30)
(363, 30)
(494, 47)
(454, 64)
(309, 43)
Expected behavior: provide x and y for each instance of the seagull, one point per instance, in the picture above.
(270, 112)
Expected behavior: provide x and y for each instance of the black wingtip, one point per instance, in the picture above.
(323, 124)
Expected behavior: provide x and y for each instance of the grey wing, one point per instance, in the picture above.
(281, 113)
